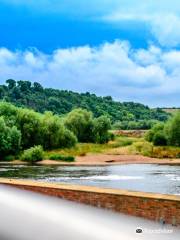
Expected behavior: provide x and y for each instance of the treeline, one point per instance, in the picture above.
(34, 96)
(22, 128)
(168, 133)
(135, 125)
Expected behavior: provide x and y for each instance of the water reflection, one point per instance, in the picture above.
(138, 177)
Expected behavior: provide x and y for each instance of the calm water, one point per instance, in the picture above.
(138, 177)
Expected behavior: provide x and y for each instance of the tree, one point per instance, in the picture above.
(29, 123)
(9, 113)
(10, 139)
(2, 92)
(172, 130)
(24, 86)
(54, 134)
(11, 83)
(101, 126)
(80, 122)
(37, 87)
(23, 94)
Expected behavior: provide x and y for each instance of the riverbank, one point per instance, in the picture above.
(106, 159)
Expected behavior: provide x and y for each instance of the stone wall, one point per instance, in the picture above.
(158, 207)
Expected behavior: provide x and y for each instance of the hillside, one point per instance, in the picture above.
(33, 95)
(171, 110)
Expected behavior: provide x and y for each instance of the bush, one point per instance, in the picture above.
(166, 152)
(122, 142)
(144, 148)
(57, 156)
(159, 139)
(159, 127)
(111, 136)
(33, 154)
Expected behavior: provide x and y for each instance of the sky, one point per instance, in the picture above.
(128, 49)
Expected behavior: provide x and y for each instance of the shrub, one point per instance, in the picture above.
(159, 139)
(166, 152)
(57, 156)
(111, 136)
(156, 128)
(144, 148)
(122, 142)
(33, 154)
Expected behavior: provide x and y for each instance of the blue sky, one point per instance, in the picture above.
(129, 49)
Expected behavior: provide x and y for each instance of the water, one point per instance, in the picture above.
(137, 177)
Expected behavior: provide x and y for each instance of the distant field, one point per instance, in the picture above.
(171, 110)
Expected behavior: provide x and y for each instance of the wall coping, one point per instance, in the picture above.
(92, 189)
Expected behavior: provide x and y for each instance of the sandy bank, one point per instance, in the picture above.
(106, 159)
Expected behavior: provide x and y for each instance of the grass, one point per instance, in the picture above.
(59, 157)
(82, 149)
(122, 145)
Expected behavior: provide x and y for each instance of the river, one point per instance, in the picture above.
(137, 177)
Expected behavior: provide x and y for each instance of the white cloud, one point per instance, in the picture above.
(164, 26)
(149, 76)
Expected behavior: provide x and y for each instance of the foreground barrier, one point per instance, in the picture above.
(158, 207)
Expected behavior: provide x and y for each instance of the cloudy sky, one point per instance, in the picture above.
(128, 49)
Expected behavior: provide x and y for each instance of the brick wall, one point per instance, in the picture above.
(156, 207)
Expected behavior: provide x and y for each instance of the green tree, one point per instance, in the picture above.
(10, 139)
(54, 134)
(172, 130)
(11, 83)
(80, 122)
(29, 123)
(101, 126)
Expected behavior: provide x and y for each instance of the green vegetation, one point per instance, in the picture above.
(34, 96)
(167, 133)
(67, 124)
(10, 139)
(33, 154)
(134, 125)
(57, 156)
(22, 129)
